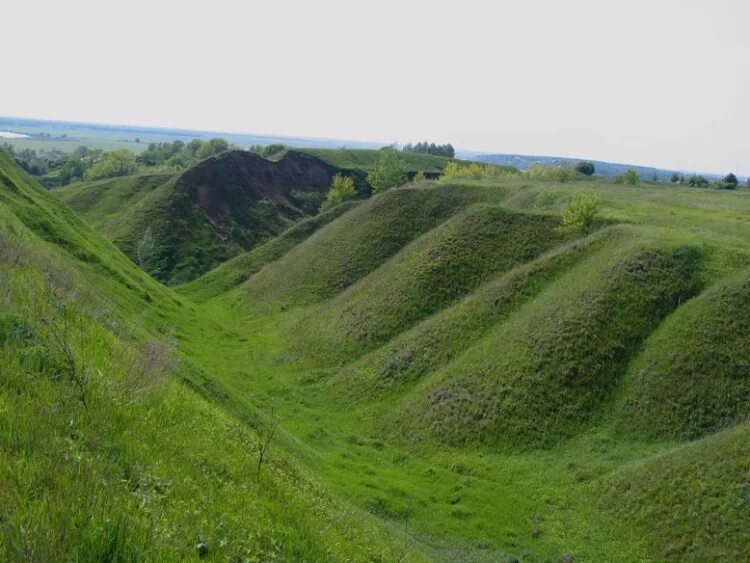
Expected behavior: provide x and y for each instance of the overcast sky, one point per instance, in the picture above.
(664, 83)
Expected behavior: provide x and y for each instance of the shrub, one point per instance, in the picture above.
(342, 189)
(388, 172)
(476, 171)
(697, 181)
(729, 182)
(578, 216)
(630, 177)
(586, 168)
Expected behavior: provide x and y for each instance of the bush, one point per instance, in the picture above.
(475, 171)
(697, 181)
(729, 182)
(578, 216)
(342, 189)
(630, 178)
(586, 168)
(388, 172)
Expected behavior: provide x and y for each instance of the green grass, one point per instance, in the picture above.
(430, 273)
(101, 202)
(544, 374)
(691, 503)
(239, 269)
(137, 465)
(693, 377)
(574, 441)
(442, 337)
(360, 241)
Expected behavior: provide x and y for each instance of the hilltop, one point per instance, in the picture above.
(453, 376)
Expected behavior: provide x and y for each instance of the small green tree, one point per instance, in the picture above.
(674, 178)
(388, 172)
(729, 182)
(630, 177)
(586, 168)
(578, 216)
(342, 189)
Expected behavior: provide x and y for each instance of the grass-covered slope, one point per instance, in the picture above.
(439, 267)
(234, 272)
(693, 377)
(358, 242)
(102, 201)
(691, 503)
(442, 337)
(105, 455)
(546, 373)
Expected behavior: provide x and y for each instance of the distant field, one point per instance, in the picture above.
(65, 136)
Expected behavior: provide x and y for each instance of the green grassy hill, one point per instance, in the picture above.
(430, 273)
(546, 372)
(693, 377)
(179, 227)
(360, 241)
(453, 378)
(101, 202)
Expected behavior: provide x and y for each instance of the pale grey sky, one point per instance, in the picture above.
(663, 83)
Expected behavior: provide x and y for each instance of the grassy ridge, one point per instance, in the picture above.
(440, 338)
(691, 503)
(694, 375)
(543, 375)
(346, 250)
(102, 201)
(434, 270)
(234, 272)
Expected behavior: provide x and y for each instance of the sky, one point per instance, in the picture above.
(663, 83)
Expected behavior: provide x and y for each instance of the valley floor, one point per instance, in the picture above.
(460, 504)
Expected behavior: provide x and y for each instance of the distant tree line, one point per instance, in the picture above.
(430, 148)
(728, 182)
